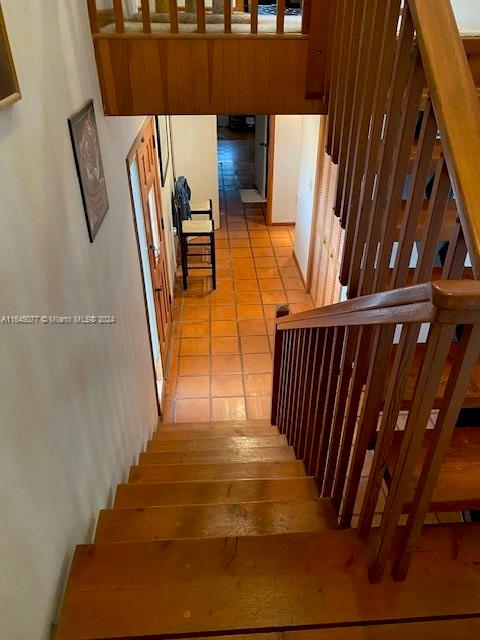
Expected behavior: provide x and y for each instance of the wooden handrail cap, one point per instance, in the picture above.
(461, 295)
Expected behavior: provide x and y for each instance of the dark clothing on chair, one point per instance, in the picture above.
(182, 197)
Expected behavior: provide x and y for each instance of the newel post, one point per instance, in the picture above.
(277, 363)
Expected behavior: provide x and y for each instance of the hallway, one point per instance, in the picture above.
(221, 360)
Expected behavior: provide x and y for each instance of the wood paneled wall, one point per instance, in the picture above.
(185, 74)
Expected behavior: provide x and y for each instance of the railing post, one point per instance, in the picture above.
(173, 16)
(254, 16)
(277, 362)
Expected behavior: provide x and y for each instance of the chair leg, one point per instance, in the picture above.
(184, 252)
(214, 261)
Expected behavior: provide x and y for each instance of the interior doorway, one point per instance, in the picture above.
(145, 189)
(243, 159)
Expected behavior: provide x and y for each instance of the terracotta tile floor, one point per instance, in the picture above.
(221, 358)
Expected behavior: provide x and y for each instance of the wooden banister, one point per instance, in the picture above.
(254, 16)
(420, 303)
(281, 16)
(457, 109)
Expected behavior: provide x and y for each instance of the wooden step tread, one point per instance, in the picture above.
(150, 494)
(217, 471)
(214, 520)
(258, 454)
(226, 444)
(214, 432)
(130, 590)
(458, 485)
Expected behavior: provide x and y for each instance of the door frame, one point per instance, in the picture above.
(129, 160)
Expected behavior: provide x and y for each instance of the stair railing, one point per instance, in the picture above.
(306, 400)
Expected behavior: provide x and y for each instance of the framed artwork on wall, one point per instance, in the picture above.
(163, 139)
(9, 87)
(88, 160)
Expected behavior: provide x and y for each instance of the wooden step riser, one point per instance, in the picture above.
(131, 496)
(214, 521)
(202, 426)
(225, 444)
(263, 454)
(218, 471)
(276, 582)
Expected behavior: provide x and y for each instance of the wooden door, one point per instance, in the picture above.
(155, 231)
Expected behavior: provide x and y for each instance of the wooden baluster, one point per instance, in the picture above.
(397, 380)
(147, 27)
(399, 173)
(339, 411)
(201, 16)
(346, 42)
(331, 394)
(306, 14)
(281, 16)
(228, 16)
(419, 177)
(360, 280)
(435, 216)
(456, 255)
(119, 21)
(254, 16)
(285, 389)
(465, 359)
(304, 357)
(367, 424)
(93, 15)
(316, 400)
(173, 16)
(318, 423)
(340, 7)
(359, 376)
(426, 387)
(310, 388)
(293, 386)
(354, 74)
(278, 356)
(362, 179)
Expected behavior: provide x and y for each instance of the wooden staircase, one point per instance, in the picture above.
(220, 531)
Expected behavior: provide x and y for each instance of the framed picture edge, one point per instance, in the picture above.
(163, 166)
(92, 232)
(17, 94)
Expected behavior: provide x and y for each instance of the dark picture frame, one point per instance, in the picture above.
(88, 161)
(9, 87)
(163, 145)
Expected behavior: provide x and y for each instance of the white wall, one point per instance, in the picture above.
(307, 175)
(76, 402)
(195, 154)
(467, 13)
(286, 159)
(166, 196)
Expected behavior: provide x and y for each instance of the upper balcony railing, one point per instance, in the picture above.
(197, 56)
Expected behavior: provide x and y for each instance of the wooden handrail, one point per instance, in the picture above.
(93, 15)
(456, 106)
(446, 301)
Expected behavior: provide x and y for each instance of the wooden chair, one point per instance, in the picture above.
(196, 227)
